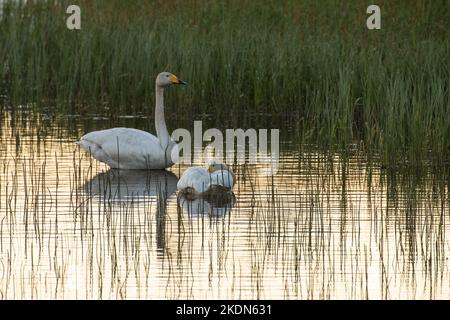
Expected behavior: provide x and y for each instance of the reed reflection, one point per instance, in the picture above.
(216, 205)
(132, 184)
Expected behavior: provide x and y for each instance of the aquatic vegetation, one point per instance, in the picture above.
(358, 209)
(312, 65)
(326, 226)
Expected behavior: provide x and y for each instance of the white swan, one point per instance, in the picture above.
(204, 180)
(127, 148)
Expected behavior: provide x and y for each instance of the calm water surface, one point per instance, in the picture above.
(321, 228)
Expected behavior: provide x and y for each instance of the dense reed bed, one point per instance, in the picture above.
(248, 63)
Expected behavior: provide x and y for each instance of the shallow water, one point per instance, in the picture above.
(322, 228)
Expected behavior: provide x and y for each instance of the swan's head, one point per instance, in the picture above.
(165, 79)
(214, 165)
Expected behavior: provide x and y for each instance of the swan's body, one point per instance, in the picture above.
(195, 178)
(128, 148)
(204, 180)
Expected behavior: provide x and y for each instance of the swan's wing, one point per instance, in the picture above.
(125, 147)
(222, 178)
(196, 178)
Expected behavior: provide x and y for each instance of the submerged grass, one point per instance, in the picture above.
(245, 61)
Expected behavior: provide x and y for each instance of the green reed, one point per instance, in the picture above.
(316, 64)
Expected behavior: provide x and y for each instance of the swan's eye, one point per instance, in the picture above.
(167, 75)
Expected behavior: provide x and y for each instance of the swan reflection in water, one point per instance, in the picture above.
(129, 187)
(118, 186)
(214, 205)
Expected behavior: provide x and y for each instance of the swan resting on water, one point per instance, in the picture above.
(199, 181)
(127, 148)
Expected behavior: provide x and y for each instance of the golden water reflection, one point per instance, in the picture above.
(321, 228)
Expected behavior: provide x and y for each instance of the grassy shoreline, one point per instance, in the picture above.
(339, 83)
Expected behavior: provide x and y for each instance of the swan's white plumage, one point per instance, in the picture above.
(222, 178)
(196, 178)
(200, 180)
(128, 148)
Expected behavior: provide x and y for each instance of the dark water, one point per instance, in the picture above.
(322, 228)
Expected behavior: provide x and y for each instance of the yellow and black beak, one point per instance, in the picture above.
(174, 80)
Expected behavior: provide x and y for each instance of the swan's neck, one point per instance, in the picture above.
(160, 122)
